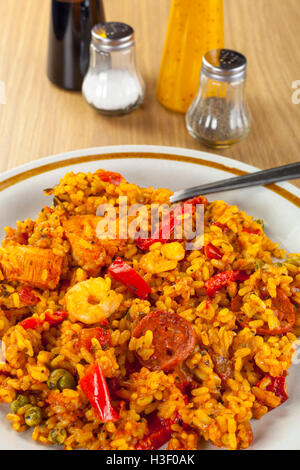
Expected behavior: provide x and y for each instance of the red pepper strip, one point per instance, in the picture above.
(52, 318)
(217, 282)
(251, 231)
(94, 386)
(168, 224)
(110, 177)
(27, 297)
(224, 228)
(56, 317)
(159, 433)
(197, 200)
(124, 273)
(163, 233)
(212, 252)
(277, 385)
(144, 243)
(30, 323)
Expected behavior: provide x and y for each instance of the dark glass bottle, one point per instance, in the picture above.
(71, 22)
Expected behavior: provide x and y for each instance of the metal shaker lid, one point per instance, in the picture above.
(224, 65)
(113, 35)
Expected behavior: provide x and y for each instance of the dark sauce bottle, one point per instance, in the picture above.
(71, 22)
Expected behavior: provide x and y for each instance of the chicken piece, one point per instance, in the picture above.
(31, 265)
(87, 250)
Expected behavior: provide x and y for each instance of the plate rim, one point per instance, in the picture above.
(229, 163)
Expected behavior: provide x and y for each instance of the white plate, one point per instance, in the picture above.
(21, 193)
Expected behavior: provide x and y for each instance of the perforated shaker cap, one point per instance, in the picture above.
(224, 65)
(113, 35)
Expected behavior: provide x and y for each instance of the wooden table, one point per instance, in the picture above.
(39, 120)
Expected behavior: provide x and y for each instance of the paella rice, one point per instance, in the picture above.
(136, 343)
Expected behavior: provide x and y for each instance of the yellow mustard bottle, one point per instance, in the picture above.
(195, 27)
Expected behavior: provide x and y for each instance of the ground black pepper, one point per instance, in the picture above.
(218, 120)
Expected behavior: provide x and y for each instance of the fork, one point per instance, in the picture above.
(258, 178)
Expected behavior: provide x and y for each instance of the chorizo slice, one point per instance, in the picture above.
(173, 339)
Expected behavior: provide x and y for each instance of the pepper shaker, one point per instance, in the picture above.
(219, 116)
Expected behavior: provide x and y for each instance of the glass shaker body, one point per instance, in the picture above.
(113, 84)
(219, 115)
(195, 27)
(71, 22)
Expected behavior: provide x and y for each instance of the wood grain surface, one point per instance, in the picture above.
(39, 119)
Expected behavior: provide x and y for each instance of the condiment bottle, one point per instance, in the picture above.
(195, 27)
(113, 84)
(219, 115)
(71, 22)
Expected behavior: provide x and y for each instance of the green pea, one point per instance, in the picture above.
(61, 378)
(66, 381)
(19, 402)
(33, 416)
(57, 436)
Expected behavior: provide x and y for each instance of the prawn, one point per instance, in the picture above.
(92, 301)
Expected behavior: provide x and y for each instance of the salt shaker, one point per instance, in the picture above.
(113, 84)
(219, 116)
